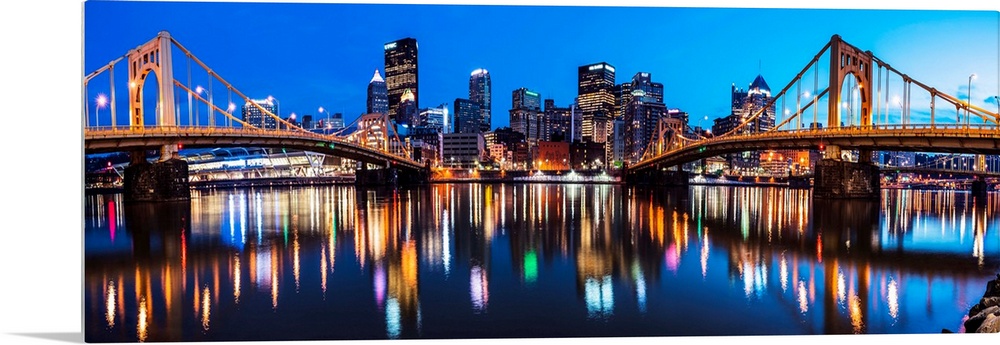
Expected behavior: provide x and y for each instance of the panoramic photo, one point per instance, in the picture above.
(319, 171)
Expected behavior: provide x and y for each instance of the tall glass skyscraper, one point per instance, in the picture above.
(596, 99)
(378, 95)
(401, 71)
(466, 116)
(526, 114)
(480, 90)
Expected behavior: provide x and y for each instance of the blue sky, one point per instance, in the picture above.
(312, 55)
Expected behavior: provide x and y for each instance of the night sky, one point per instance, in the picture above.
(313, 55)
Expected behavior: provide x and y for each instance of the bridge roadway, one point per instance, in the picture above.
(114, 139)
(935, 171)
(973, 139)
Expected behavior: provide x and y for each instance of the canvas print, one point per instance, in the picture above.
(332, 171)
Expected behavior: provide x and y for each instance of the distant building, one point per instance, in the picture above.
(526, 114)
(337, 121)
(586, 155)
(435, 118)
(480, 91)
(401, 71)
(745, 104)
(307, 122)
(552, 156)
(557, 122)
(378, 95)
(462, 150)
(617, 143)
(466, 116)
(406, 112)
(253, 115)
(596, 99)
(427, 135)
(642, 120)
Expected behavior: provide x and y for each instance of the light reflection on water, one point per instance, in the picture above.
(501, 260)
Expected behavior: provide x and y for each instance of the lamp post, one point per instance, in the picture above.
(101, 102)
(277, 110)
(230, 109)
(211, 121)
(326, 124)
(968, 115)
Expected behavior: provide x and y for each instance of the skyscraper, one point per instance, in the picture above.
(378, 95)
(257, 118)
(466, 116)
(746, 103)
(526, 114)
(480, 90)
(436, 118)
(401, 71)
(641, 120)
(406, 111)
(557, 122)
(596, 99)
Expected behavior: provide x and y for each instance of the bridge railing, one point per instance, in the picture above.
(883, 130)
(188, 131)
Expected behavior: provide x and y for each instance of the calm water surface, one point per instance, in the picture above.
(470, 261)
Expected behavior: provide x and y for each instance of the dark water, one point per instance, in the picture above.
(467, 261)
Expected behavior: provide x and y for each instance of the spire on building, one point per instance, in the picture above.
(377, 77)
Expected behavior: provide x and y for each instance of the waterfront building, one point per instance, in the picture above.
(462, 150)
(552, 156)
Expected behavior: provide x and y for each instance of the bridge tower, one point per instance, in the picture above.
(835, 178)
(846, 60)
(167, 179)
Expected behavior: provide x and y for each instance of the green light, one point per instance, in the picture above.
(530, 267)
(529, 93)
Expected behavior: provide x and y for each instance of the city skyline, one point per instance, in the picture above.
(304, 73)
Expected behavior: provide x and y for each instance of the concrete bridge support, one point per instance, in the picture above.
(836, 179)
(394, 177)
(365, 177)
(979, 187)
(165, 180)
(657, 177)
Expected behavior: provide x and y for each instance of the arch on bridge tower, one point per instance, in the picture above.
(846, 60)
(153, 56)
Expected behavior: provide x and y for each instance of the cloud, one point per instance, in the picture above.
(990, 100)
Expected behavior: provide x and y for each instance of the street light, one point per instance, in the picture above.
(102, 101)
(968, 115)
(211, 121)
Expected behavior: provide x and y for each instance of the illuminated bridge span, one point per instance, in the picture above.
(161, 126)
(864, 110)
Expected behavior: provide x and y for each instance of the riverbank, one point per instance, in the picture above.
(984, 317)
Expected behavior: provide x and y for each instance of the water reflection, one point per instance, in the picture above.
(605, 260)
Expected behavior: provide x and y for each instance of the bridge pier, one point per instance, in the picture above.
(364, 177)
(979, 187)
(846, 180)
(657, 177)
(391, 176)
(165, 180)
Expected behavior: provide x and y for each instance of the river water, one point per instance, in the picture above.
(532, 260)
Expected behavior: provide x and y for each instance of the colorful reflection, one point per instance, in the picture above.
(525, 253)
